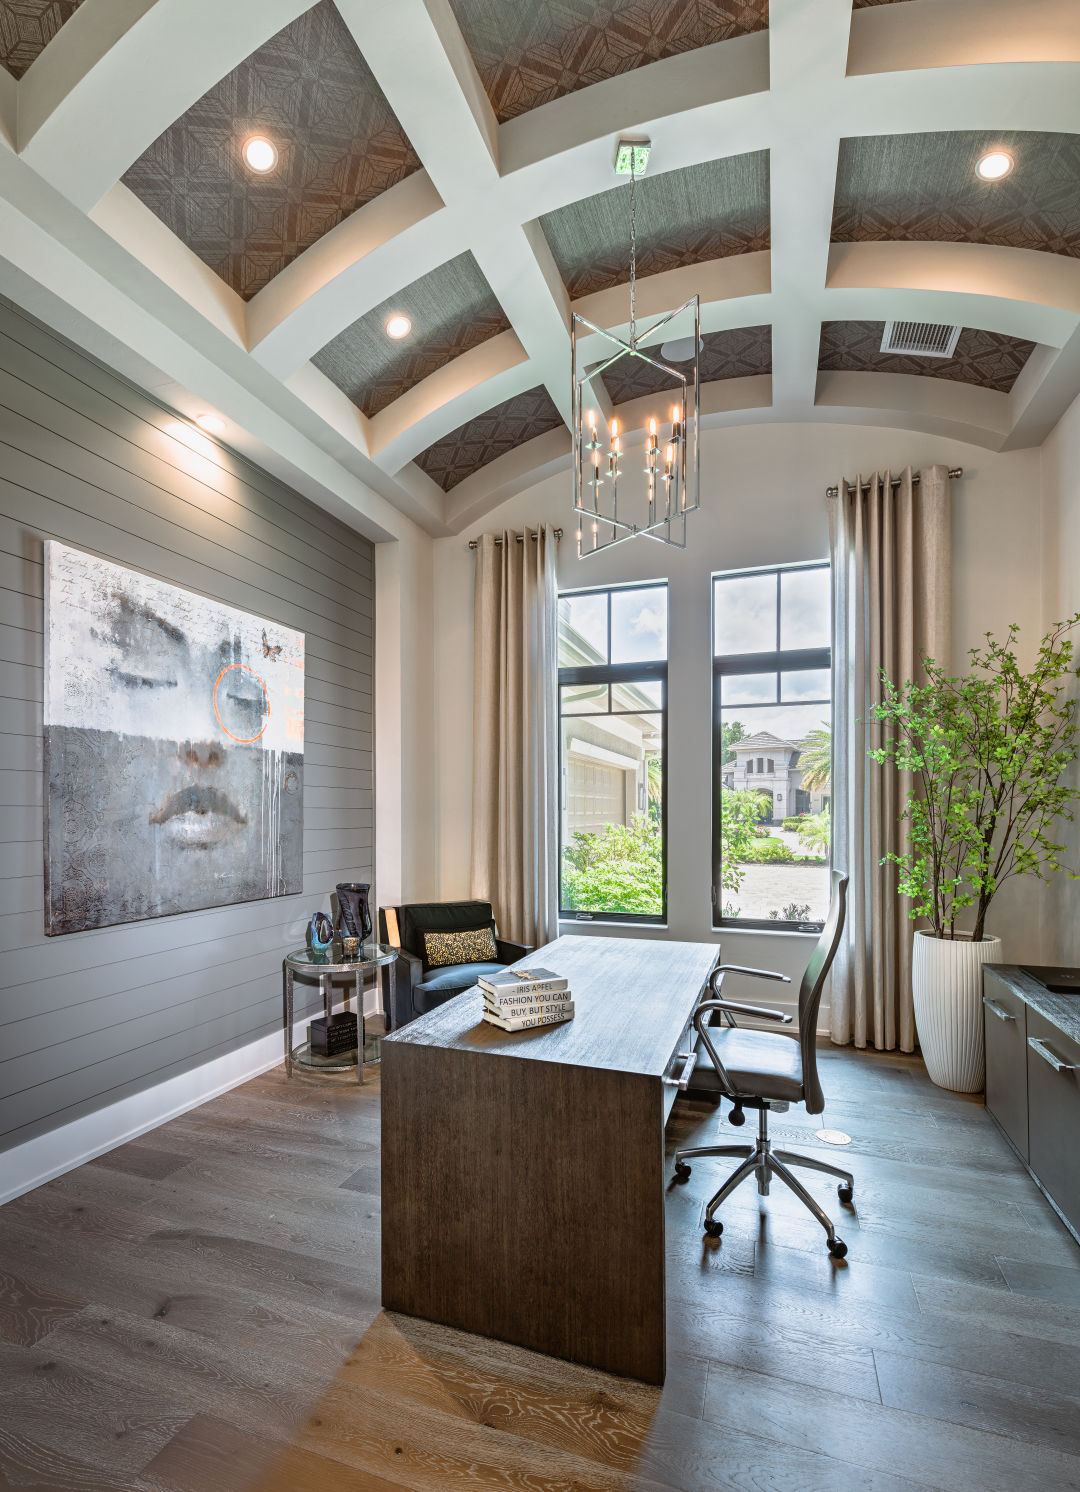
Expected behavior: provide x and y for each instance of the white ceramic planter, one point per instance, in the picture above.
(946, 983)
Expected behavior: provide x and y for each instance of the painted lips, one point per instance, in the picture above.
(198, 817)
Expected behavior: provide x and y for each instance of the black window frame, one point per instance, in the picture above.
(731, 665)
(618, 673)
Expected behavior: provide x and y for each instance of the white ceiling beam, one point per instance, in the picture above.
(908, 401)
(809, 51)
(928, 34)
(111, 89)
(1042, 397)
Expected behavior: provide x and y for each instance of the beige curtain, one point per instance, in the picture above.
(891, 568)
(515, 752)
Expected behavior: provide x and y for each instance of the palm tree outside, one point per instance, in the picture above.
(815, 759)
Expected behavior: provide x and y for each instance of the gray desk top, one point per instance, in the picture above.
(632, 998)
(1062, 1011)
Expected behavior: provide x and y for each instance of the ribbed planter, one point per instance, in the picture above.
(946, 984)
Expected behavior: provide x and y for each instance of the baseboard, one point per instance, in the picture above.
(49, 1155)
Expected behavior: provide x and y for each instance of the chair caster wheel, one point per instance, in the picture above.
(682, 1171)
(736, 1117)
(837, 1248)
(713, 1228)
(845, 1193)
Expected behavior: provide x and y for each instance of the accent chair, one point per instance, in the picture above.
(414, 985)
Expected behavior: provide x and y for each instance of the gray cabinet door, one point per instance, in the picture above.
(1004, 1019)
(1054, 1113)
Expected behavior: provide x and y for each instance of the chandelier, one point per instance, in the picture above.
(635, 472)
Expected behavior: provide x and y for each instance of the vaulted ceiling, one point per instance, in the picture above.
(451, 161)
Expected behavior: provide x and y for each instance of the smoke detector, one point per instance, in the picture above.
(919, 339)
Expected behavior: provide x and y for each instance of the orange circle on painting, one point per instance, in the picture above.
(243, 740)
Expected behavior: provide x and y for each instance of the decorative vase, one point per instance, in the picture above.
(321, 933)
(354, 914)
(946, 986)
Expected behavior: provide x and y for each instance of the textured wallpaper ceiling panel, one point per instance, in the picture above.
(309, 90)
(925, 187)
(683, 217)
(27, 27)
(991, 360)
(528, 52)
(479, 441)
(865, 4)
(740, 352)
(451, 309)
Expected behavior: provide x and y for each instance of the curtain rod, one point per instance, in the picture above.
(475, 543)
(954, 472)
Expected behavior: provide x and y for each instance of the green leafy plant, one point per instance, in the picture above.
(741, 811)
(618, 870)
(987, 752)
(795, 911)
(815, 833)
(815, 759)
(769, 852)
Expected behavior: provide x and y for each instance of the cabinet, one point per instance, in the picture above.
(1033, 1080)
(1005, 1021)
(1053, 1082)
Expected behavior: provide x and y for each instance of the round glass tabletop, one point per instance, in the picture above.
(372, 956)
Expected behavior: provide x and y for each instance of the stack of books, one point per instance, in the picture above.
(518, 999)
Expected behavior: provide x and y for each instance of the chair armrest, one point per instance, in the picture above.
(754, 973)
(405, 973)
(763, 1012)
(509, 953)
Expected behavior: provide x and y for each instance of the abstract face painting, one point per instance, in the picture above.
(174, 748)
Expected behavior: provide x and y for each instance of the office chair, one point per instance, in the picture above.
(763, 1070)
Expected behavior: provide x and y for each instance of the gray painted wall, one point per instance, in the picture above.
(90, 1018)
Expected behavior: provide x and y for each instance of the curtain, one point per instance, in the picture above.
(515, 720)
(891, 579)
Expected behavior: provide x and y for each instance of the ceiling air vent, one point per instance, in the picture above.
(919, 338)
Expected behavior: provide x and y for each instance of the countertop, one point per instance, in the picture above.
(1062, 1011)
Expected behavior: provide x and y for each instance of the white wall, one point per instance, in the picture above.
(763, 503)
(1061, 571)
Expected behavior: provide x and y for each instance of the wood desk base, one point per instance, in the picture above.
(524, 1199)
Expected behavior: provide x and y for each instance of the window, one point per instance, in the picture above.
(772, 635)
(613, 721)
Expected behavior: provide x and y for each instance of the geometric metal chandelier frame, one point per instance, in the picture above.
(645, 482)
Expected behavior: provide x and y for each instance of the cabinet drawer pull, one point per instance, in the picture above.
(682, 1081)
(1002, 1015)
(1039, 1047)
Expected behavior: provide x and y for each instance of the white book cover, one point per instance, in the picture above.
(528, 1022)
(523, 1001)
(530, 982)
(518, 1012)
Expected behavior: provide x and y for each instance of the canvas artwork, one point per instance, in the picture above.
(174, 748)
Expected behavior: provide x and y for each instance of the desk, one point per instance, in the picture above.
(523, 1173)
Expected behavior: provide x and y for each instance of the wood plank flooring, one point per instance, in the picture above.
(198, 1311)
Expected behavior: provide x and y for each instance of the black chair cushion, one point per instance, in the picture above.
(457, 977)
(759, 1063)
(440, 916)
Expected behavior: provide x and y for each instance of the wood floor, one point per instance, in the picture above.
(198, 1312)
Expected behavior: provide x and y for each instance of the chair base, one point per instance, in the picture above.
(761, 1161)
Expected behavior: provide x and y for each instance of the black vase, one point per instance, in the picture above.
(354, 914)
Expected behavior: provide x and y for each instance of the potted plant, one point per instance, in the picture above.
(985, 754)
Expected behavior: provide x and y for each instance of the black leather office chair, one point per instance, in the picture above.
(764, 1069)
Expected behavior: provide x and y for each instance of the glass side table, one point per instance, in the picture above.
(308, 965)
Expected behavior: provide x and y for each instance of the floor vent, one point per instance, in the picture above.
(919, 338)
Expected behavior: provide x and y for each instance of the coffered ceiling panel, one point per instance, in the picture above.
(865, 4)
(479, 441)
(738, 353)
(528, 52)
(308, 90)
(924, 187)
(451, 310)
(27, 27)
(683, 217)
(991, 360)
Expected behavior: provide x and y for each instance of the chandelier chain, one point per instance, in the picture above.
(633, 258)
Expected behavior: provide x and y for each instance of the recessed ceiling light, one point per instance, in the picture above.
(260, 154)
(994, 165)
(398, 327)
(680, 349)
(210, 423)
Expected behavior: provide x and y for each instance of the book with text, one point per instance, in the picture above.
(519, 1012)
(528, 982)
(528, 1022)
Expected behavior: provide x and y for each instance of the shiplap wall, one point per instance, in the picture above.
(93, 1017)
